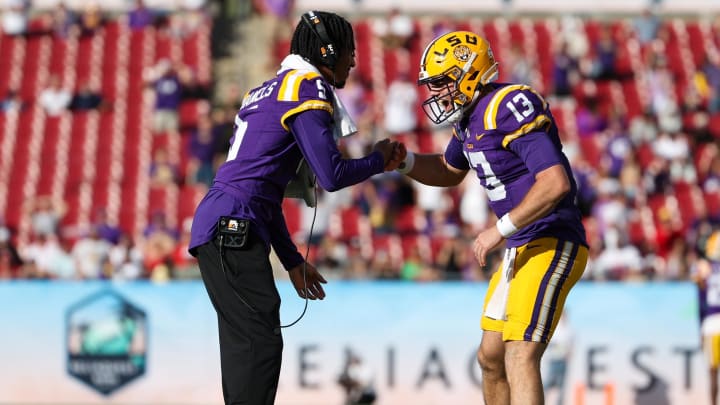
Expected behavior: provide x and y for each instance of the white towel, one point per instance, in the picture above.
(497, 306)
(303, 185)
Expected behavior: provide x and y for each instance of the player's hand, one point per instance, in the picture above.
(312, 279)
(398, 156)
(486, 241)
(386, 147)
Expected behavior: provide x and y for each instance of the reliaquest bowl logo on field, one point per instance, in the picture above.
(106, 341)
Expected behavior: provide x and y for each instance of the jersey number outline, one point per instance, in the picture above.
(527, 107)
(240, 129)
(494, 187)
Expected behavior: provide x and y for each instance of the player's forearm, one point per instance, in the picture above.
(434, 171)
(551, 185)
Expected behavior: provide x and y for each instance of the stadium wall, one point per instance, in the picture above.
(143, 343)
(449, 7)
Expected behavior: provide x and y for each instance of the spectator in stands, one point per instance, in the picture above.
(125, 259)
(158, 245)
(200, 167)
(587, 179)
(711, 182)
(520, 65)
(90, 253)
(276, 18)
(442, 25)
(140, 17)
(45, 214)
(55, 99)
(46, 257)
(223, 126)
(184, 265)
(395, 29)
(646, 26)
(572, 33)
(643, 128)
(64, 21)
(163, 170)
(11, 102)
(618, 260)
(619, 145)
(565, 72)
(107, 229)
(164, 80)
(589, 120)
(10, 261)
(15, 17)
(605, 55)
(675, 149)
(91, 18)
(401, 106)
(185, 21)
(661, 87)
(87, 98)
(711, 70)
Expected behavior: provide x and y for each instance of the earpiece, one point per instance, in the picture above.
(327, 49)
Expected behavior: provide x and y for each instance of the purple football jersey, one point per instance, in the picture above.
(509, 137)
(709, 295)
(285, 119)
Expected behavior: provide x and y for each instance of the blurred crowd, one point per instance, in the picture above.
(648, 171)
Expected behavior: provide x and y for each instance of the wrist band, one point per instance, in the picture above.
(505, 226)
(407, 164)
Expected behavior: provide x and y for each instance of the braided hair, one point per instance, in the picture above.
(307, 44)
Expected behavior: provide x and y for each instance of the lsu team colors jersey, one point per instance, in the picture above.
(508, 138)
(280, 122)
(709, 293)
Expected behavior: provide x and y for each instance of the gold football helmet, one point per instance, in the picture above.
(454, 67)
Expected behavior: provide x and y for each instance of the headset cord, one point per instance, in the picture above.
(307, 253)
(232, 286)
(305, 289)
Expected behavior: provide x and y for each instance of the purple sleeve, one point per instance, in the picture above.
(282, 242)
(537, 150)
(313, 131)
(454, 155)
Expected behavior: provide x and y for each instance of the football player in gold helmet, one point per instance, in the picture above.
(505, 133)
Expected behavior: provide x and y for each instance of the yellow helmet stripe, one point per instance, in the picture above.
(290, 88)
(491, 110)
(308, 105)
(539, 122)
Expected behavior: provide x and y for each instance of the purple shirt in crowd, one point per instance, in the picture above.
(285, 119)
(140, 18)
(510, 137)
(168, 90)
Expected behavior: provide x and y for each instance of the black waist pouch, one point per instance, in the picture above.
(233, 232)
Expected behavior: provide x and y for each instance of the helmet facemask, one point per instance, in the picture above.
(447, 102)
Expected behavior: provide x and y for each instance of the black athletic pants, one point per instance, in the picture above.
(250, 340)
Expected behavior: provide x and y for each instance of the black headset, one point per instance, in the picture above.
(327, 48)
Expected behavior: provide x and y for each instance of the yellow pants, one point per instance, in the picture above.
(543, 272)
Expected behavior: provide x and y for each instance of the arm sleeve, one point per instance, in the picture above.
(454, 154)
(537, 150)
(313, 131)
(282, 242)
